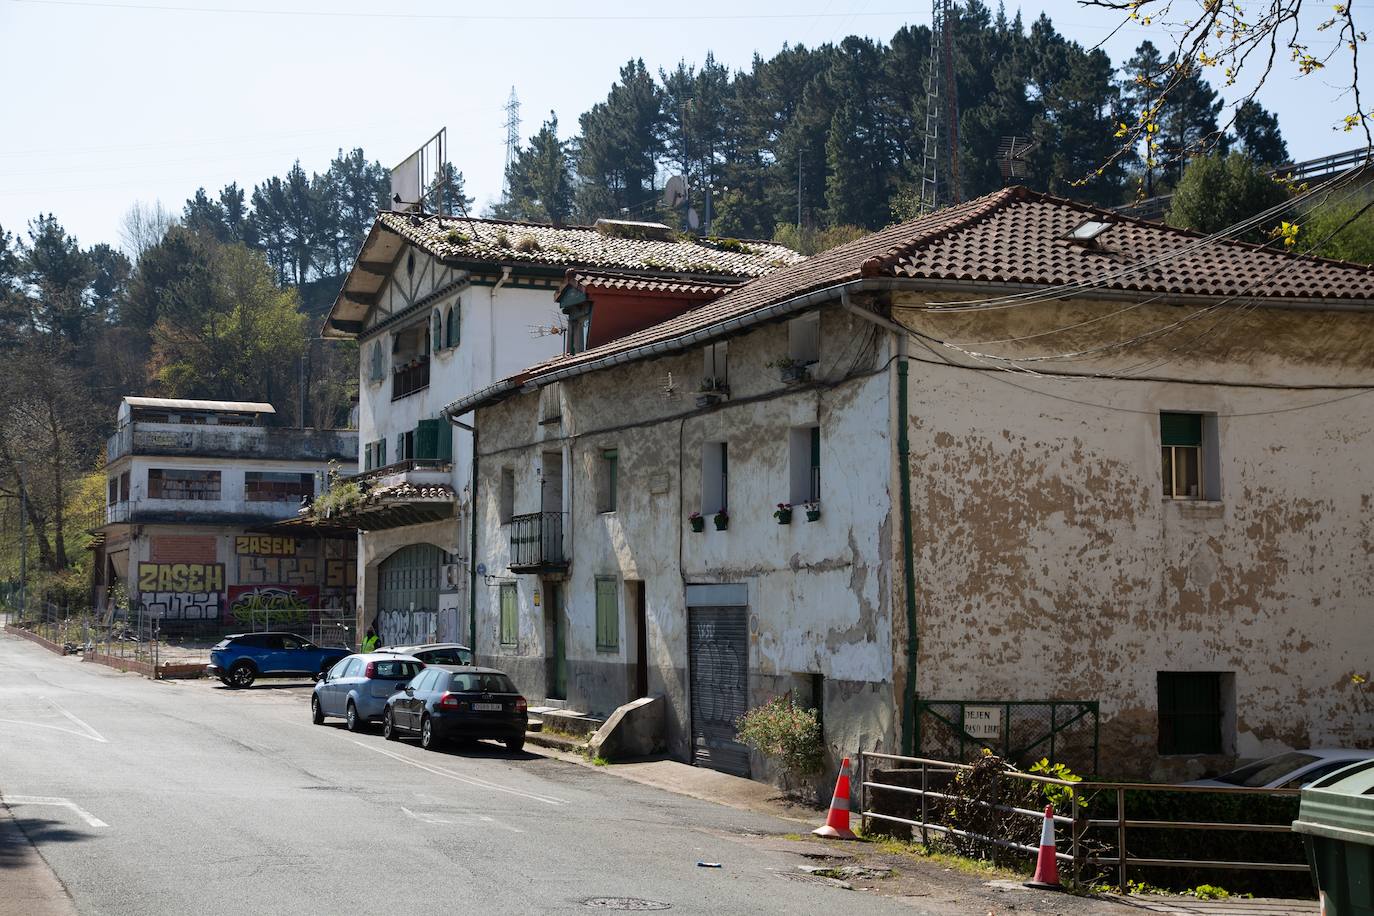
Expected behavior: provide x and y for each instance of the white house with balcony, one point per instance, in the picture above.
(442, 307)
(192, 487)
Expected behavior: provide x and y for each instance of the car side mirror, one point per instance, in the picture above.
(318, 676)
(410, 691)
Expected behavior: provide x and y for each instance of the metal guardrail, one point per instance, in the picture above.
(1079, 857)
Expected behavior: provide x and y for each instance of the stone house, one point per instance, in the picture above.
(441, 307)
(193, 487)
(1081, 484)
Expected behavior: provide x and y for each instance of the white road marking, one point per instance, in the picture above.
(431, 819)
(85, 730)
(458, 777)
(52, 800)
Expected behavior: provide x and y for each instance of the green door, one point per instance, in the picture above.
(558, 662)
(408, 595)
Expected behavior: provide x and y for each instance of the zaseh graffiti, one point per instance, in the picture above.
(181, 591)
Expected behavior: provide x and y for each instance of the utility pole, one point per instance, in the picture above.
(512, 127)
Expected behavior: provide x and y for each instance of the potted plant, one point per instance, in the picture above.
(722, 520)
(791, 370)
(783, 513)
(813, 511)
(697, 522)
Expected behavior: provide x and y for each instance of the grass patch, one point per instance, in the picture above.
(917, 850)
(598, 761)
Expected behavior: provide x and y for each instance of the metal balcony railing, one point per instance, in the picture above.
(536, 541)
(410, 378)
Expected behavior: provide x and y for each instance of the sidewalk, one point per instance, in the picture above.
(31, 888)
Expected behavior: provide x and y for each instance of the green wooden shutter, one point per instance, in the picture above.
(455, 323)
(1180, 428)
(427, 439)
(607, 616)
(510, 620)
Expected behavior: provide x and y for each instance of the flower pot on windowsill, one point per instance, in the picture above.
(813, 515)
(722, 520)
(783, 513)
(795, 373)
(698, 523)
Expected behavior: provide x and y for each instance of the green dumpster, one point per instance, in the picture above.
(1336, 818)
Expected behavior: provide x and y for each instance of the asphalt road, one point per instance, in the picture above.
(189, 798)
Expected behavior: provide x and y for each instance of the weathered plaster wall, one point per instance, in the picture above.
(1049, 565)
(818, 595)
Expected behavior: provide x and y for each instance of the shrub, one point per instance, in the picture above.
(786, 734)
(527, 244)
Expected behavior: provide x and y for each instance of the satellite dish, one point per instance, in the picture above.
(674, 192)
(693, 221)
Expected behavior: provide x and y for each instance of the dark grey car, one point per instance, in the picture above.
(458, 701)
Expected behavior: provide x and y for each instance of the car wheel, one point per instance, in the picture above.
(515, 745)
(427, 739)
(225, 682)
(389, 727)
(242, 675)
(316, 714)
(355, 722)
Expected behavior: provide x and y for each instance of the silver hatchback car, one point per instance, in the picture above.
(357, 687)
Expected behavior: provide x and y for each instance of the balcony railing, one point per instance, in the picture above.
(410, 378)
(536, 541)
(212, 441)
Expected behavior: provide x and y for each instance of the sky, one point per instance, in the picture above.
(107, 102)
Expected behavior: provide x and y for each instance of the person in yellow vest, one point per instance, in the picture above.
(370, 641)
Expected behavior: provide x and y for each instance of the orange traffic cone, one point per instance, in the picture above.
(837, 823)
(1046, 865)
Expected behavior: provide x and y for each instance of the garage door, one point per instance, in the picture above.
(408, 595)
(719, 661)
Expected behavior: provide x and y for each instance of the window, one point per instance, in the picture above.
(1191, 710)
(607, 616)
(405, 445)
(510, 616)
(267, 486)
(1190, 468)
(715, 478)
(124, 487)
(354, 669)
(113, 495)
(376, 369)
(433, 440)
(507, 507)
(169, 484)
(374, 455)
(804, 339)
(578, 328)
(609, 473)
(804, 444)
(436, 335)
(454, 330)
(410, 360)
(715, 370)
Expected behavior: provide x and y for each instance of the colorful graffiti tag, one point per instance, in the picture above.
(181, 591)
(275, 605)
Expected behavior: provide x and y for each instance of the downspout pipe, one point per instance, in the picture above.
(472, 535)
(909, 695)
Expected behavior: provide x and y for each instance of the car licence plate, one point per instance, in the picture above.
(486, 707)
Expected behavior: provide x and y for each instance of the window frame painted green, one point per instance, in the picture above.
(509, 633)
(607, 614)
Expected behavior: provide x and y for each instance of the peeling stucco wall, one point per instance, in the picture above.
(1050, 566)
(818, 594)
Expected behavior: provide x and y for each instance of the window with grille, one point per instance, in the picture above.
(178, 484)
(607, 615)
(266, 486)
(510, 615)
(1192, 708)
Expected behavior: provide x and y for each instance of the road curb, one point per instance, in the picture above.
(31, 886)
(35, 638)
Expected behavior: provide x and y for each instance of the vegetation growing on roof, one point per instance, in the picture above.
(727, 244)
(527, 244)
(502, 238)
(454, 237)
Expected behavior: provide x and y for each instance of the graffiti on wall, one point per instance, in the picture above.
(403, 627)
(277, 605)
(180, 577)
(255, 545)
(182, 605)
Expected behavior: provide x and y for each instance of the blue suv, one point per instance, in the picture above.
(241, 659)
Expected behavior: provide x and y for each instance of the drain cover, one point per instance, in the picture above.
(625, 903)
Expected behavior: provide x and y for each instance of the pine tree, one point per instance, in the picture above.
(1257, 134)
(540, 179)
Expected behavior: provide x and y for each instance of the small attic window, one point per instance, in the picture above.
(1086, 232)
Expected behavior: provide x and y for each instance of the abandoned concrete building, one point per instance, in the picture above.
(1021, 474)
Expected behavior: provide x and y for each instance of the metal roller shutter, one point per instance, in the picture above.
(719, 660)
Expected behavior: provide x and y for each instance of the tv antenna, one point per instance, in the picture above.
(1011, 157)
(512, 127)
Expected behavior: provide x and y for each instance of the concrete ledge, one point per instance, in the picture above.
(572, 723)
(636, 729)
(555, 742)
(34, 637)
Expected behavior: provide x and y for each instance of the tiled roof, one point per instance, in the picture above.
(1017, 237)
(642, 283)
(410, 491)
(507, 242)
